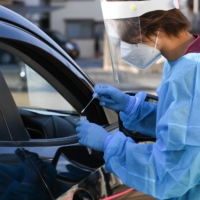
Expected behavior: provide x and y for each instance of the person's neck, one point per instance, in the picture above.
(172, 48)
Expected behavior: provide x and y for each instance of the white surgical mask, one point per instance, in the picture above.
(140, 55)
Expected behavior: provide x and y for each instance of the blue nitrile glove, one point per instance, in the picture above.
(112, 98)
(31, 176)
(91, 135)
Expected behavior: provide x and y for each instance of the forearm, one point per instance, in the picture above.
(142, 118)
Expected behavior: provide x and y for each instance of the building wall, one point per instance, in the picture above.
(77, 11)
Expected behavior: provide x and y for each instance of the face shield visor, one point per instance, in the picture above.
(123, 31)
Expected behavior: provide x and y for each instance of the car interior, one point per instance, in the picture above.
(37, 126)
(47, 126)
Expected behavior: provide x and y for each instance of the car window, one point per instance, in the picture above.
(28, 88)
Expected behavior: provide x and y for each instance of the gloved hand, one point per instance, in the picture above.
(91, 135)
(31, 176)
(112, 98)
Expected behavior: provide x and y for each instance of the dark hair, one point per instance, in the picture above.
(172, 22)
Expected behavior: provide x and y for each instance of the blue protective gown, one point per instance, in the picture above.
(169, 168)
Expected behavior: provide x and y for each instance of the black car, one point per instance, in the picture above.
(37, 126)
(71, 48)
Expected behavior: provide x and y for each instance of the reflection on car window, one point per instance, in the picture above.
(32, 174)
(27, 176)
(28, 88)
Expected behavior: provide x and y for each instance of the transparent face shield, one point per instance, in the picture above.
(128, 53)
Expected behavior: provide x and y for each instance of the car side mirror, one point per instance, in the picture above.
(74, 163)
(135, 135)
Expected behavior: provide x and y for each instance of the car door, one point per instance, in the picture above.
(49, 91)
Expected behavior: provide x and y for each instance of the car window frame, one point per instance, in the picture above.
(14, 45)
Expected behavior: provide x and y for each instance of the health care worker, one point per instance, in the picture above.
(169, 168)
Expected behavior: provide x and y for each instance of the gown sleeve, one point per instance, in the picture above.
(142, 118)
(171, 166)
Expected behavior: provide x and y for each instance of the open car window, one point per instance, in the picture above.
(28, 88)
(45, 113)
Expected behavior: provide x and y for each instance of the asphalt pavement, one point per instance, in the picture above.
(137, 82)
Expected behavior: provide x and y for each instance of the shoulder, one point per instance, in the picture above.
(183, 71)
(187, 64)
(193, 58)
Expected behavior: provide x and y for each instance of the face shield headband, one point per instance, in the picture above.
(131, 9)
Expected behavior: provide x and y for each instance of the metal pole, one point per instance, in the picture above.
(196, 15)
